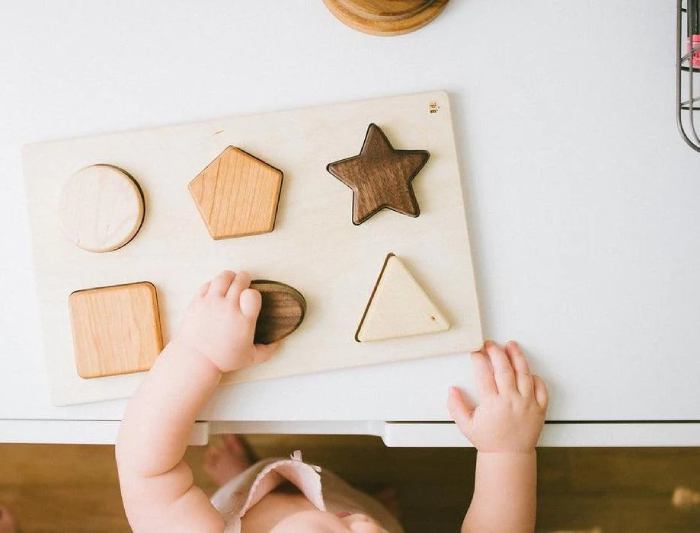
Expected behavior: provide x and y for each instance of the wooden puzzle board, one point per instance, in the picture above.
(314, 247)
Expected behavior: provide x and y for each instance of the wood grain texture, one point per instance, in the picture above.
(116, 330)
(101, 208)
(380, 177)
(283, 310)
(398, 307)
(237, 194)
(386, 17)
(53, 488)
(314, 247)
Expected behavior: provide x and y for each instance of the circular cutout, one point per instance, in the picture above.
(101, 208)
(386, 17)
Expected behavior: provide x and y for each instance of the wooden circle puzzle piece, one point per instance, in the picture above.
(380, 177)
(282, 312)
(116, 329)
(101, 208)
(386, 17)
(237, 194)
(398, 307)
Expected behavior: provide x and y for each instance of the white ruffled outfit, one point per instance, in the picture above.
(323, 489)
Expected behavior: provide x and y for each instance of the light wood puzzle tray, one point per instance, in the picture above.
(314, 247)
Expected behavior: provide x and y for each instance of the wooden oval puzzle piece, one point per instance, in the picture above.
(101, 208)
(283, 309)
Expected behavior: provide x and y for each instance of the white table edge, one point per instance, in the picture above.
(393, 434)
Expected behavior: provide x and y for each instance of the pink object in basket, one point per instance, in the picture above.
(694, 42)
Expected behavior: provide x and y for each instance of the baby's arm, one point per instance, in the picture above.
(504, 428)
(216, 336)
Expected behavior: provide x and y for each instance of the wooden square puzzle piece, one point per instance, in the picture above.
(237, 194)
(116, 329)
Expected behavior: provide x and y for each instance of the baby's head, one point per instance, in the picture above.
(325, 522)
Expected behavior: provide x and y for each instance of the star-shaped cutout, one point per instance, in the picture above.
(380, 177)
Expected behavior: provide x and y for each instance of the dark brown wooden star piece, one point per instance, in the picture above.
(380, 177)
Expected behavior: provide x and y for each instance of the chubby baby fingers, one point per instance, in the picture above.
(526, 385)
(241, 283)
(502, 369)
(250, 302)
(524, 381)
(483, 375)
(220, 284)
(460, 410)
(517, 359)
(541, 394)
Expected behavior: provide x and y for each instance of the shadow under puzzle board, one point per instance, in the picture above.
(314, 247)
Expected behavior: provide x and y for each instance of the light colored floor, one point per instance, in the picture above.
(74, 488)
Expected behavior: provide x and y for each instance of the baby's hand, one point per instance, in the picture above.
(220, 323)
(512, 405)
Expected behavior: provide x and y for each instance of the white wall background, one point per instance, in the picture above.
(583, 202)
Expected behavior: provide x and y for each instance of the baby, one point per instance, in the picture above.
(288, 495)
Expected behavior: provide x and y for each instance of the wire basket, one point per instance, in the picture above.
(687, 66)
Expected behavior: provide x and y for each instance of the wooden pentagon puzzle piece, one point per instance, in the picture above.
(380, 177)
(283, 310)
(101, 208)
(398, 307)
(116, 329)
(237, 194)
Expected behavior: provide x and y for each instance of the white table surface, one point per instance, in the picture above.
(583, 202)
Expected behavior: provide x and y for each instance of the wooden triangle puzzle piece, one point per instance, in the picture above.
(398, 307)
